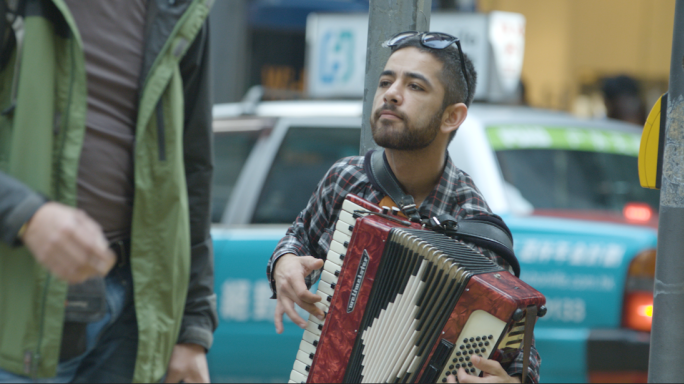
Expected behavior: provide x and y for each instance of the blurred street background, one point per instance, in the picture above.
(571, 46)
(552, 140)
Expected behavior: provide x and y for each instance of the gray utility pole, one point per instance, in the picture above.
(386, 18)
(667, 335)
(229, 50)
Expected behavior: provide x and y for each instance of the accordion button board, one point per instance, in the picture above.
(478, 331)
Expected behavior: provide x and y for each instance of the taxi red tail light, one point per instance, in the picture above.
(637, 312)
(638, 212)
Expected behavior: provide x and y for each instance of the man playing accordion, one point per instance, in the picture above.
(421, 99)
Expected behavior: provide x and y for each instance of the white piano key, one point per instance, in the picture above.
(345, 228)
(351, 207)
(302, 368)
(326, 288)
(314, 328)
(341, 238)
(327, 299)
(307, 347)
(290, 381)
(337, 247)
(297, 377)
(331, 268)
(314, 319)
(324, 306)
(304, 357)
(328, 277)
(335, 258)
(346, 218)
(310, 338)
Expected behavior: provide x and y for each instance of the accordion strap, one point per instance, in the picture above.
(530, 319)
(489, 232)
(388, 183)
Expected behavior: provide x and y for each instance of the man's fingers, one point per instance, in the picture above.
(195, 377)
(71, 263)
(491, 367)
(278, 319)
(463, 377)
(302, 292)
(103, 260)
(305, 299)
(312, 309)
(451, 379)
(173, 377)
(288, 307)
(68, 243)
(91, 238)
(311, 264)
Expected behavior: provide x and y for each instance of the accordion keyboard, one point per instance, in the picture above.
(326, 289)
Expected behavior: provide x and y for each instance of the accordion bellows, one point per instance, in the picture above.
(406, 304)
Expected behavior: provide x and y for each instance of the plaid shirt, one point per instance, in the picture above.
(312, 231)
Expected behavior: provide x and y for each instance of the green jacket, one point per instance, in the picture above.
(43, 99)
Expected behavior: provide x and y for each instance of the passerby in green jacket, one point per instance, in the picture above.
(44, 104)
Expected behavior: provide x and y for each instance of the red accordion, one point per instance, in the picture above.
(406, 304)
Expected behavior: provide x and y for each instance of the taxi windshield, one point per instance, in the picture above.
(571, 169)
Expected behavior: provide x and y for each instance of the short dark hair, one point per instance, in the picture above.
(623, 85)
(452, 78)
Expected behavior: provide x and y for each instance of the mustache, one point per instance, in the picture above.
(388, 107)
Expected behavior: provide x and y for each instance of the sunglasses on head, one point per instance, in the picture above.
(434, 40)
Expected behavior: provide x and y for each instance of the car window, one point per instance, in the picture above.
(231, 150)
(561, 168)
(304, 157)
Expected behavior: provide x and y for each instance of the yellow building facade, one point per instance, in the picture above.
(570, 45)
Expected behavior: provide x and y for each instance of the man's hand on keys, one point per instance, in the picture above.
(68, 243)
(290, 271)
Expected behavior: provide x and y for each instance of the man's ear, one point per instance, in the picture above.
(453, 117)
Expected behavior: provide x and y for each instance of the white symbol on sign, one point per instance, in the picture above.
(264, 306)
(337, 57)
(235, 299)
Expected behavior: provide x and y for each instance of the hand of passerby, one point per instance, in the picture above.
(492, 370)
(68, 243)
(290, 271)
(188, 364)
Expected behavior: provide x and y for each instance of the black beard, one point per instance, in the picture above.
(408, 139)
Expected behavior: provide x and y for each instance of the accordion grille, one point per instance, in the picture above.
(420, 278)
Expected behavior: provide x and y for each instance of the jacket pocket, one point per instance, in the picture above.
(161, 135)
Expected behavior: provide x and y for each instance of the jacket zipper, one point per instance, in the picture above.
(34, 360)
(161, 135)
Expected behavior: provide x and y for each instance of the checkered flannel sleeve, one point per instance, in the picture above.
(310, 233)
(516, 367)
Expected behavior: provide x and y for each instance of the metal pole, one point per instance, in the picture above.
(385, 19)
(229, 50)
(667, 335)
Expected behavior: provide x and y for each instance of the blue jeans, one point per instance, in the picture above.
(111, 343)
